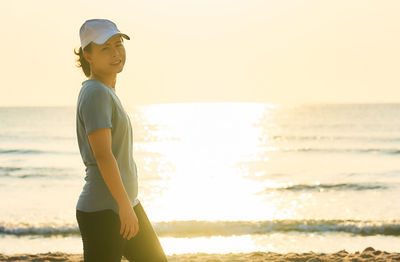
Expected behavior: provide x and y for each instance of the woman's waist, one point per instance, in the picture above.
(94, 173)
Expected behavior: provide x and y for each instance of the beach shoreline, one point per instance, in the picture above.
(368, 254)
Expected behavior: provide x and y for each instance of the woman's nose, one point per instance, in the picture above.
(114, 52)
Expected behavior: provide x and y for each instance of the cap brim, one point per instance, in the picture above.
(125, 36)
(104, 38)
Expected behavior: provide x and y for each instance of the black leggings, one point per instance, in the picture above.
(102, 241)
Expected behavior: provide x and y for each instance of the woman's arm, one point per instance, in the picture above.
(100, 142)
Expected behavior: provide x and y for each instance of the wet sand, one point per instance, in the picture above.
(368, 254)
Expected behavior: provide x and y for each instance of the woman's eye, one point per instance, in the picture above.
(105, 48)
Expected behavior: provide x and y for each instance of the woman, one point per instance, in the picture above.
(111, 219)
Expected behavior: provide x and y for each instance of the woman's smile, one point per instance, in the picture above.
(117, 63)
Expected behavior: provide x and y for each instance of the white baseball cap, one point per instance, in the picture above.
(98, 31)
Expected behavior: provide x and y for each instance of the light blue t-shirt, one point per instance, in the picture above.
(99, 107)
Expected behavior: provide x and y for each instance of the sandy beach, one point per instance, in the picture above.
(368, 254)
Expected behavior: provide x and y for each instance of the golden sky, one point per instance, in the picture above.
(209, 50)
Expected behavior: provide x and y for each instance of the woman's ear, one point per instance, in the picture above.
(87, 56)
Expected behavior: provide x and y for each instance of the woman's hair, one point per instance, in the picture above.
(82, 61)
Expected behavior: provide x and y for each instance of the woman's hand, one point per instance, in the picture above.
(129, 221)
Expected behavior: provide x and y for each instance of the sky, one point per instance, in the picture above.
(316, 51)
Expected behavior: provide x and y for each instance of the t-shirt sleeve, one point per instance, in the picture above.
(96, 110)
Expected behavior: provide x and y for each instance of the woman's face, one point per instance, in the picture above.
(108, 58)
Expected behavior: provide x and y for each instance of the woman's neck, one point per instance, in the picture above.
(108, 80)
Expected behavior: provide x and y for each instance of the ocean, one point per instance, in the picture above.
(216, 177)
